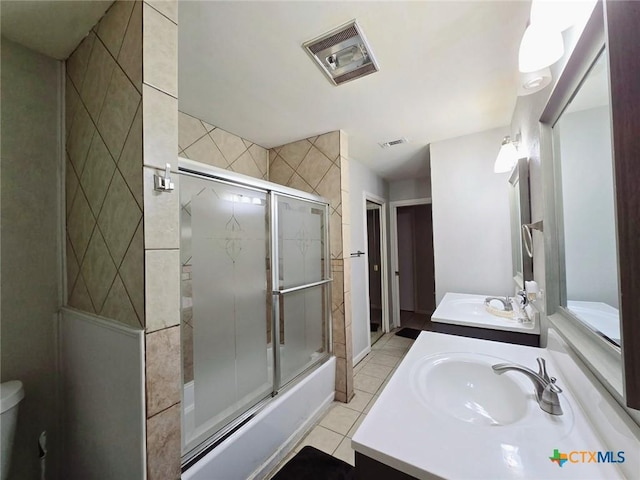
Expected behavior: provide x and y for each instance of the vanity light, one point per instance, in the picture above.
(533, 82)
(507, 156)
(540, 47)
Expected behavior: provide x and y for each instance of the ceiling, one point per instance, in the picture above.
(447, 69)
(53, 28)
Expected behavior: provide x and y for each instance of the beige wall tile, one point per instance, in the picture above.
(160, 128)
(329, 144)
(79, 59)
(261, 157)
(98, 270)
(164, 444)
(119, 218)
(162, 369)
(79, 138)
(120, 105)
(132, 272)
(296, 181)
(159, 51)
(337, 289)
(280, 172)
(70, 185)
(229, 144)
(72, 99)
(190, 129)
(335, 234)
(96, 82)
(80, 225)
(329, 186)
(73, 268)
(294, 153)
(169, 8)
(161, 213)
(314, 166)
(346, 240)
(162, 289)
(344, 174)
(79, 297)
(246, 165)
(205, 151)
(341, 377)
(340, 350)
(130, 56)
(118, 306)
(97, 174)
(113, 25)
(130, 163)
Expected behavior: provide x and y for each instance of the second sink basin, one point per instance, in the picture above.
(464, 386)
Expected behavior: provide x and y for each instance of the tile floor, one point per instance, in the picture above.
(333, 432)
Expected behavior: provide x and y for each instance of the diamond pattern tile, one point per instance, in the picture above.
(190, 129)
(118, 305)
(119, 218)
(80, 224)
(130, 56)
(230, 145)
(72, 266)
(329, 144)
(206, 151)
(130, 163)
(132, 272)
(72, 100)
(71, 186)
(79, 138)
(246, 165)
(97, 174)
(80, 298)
(314, 166)
(79, 59)
(294, 153)
(120, 105)
(98, 270)
(96, 81)
(113, 26)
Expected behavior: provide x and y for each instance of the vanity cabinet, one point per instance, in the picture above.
(517, 338)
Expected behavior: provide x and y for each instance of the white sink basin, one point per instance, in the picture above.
(465, 387)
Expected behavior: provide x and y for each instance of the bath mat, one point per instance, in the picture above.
(408, 333)
(313, 464)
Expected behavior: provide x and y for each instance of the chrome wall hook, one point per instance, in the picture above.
(163, 183)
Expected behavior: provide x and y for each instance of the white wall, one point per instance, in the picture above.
(361, 180)
(588, 206)
(471, 231)
(409, 189)
(31, 262)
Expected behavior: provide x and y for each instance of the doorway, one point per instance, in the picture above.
(414, 277)
(374, 259)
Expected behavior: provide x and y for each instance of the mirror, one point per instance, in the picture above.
(586, 208)
(520, 215)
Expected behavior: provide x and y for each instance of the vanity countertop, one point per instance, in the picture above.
(468, 310)
(406, 432)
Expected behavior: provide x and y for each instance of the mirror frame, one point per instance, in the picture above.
(614, 25)
(520, 176)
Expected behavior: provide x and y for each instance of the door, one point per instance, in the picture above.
(374, 256)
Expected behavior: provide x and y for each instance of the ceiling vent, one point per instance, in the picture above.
(343, 53)
(393, 142)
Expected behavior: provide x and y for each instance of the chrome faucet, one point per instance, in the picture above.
(546, 389)
(506, 302)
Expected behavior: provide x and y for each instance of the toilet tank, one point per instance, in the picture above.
(10, 395)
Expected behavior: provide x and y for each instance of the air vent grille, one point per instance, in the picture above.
(343, 53)
(333, 40)
(392, 143)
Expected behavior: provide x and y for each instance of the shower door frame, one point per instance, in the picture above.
(273, 190)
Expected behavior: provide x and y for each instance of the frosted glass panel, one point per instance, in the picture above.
(224, 279)
(303, 337)
(301, 242)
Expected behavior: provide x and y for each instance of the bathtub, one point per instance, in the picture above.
(257, 447)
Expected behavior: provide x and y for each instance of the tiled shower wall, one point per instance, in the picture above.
(105, 260)
(122, 236)
(319, 165)
(205, 143)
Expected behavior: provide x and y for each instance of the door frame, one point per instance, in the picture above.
(368, 196)
(395, 282)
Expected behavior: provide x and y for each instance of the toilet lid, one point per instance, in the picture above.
(10, 394)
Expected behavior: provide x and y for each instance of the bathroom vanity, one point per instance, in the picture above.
(447, 414)
(466, 315)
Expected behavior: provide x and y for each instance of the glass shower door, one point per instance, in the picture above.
(302, 276)
(225, 280)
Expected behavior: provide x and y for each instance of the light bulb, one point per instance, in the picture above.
(539, 48)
